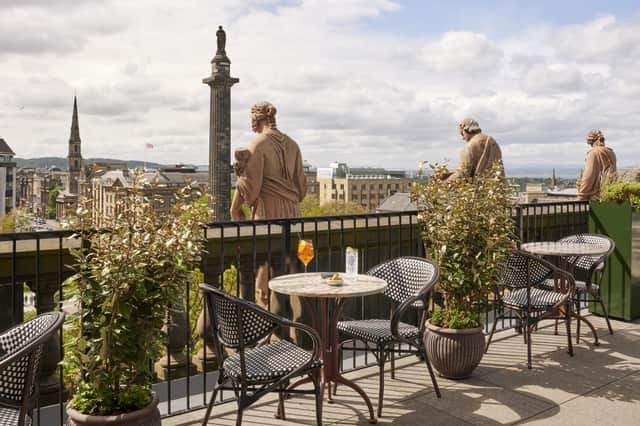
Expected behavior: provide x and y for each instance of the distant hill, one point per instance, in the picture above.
(61, 162)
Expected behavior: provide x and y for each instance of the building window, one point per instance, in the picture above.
(380, 186)
(355, 197)
(342, 186)
(333, 186)
(354, 188)
(364, 186)
(333, 196)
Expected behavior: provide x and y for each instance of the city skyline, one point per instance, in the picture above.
(536, 83)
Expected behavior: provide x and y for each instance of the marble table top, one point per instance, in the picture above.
(312, 285)
(559, 248)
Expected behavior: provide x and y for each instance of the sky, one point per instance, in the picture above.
(369, 82)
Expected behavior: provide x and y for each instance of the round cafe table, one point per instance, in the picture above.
(310, 287)
(565, 251)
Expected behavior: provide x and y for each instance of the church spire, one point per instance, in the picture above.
(74, 159)
(75, 128)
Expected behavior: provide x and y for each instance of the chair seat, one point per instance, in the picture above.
(581, 286)
(540, 299)
(269, 362)
(376, 330)
(10, 416)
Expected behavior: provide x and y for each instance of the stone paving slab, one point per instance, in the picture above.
(598, 385)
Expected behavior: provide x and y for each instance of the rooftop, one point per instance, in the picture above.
(5, 148)
(598, 385)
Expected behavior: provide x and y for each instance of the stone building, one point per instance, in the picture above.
(313, 186)
(364, 186)
(107, 184)
(34, 185)
(7, 178)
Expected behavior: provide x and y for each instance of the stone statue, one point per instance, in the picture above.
(271, 179)
(600, 162)
(222, 41)
(479, 154)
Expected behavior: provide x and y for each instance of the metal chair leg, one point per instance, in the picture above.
(239, 416)
(281, 414)
(606, 314)
(393, 362)
(381, 360)
(568, 322)
(493, 329)
(210, 406)
(431, 373)
(317, 385)
(527, 331)
(577, 306)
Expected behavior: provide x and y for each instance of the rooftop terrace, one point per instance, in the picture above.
(598, 385)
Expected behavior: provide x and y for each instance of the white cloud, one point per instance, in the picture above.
(342, 91)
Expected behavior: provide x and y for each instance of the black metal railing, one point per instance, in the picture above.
(234, 251)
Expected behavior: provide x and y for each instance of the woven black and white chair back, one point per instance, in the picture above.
(523, 270)
(234, 322)
(406, 277)
(587, 262)
(21, 354)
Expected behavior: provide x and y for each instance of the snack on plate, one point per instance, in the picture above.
(332, 279)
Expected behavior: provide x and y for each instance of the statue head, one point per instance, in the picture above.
(263, 115)
(595, 138)
(468, 128)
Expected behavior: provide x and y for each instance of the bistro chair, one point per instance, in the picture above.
(21, 354)
(592, 268)
(258, 367)
(527, 299)
(410, 281)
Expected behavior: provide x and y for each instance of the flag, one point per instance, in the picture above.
(148, 145)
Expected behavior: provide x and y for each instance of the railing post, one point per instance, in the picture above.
(519, 227)
(286, 246)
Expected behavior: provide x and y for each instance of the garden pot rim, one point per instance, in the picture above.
(92, 419)
(445, 330)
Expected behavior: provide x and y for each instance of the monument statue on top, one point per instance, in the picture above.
(221, 37)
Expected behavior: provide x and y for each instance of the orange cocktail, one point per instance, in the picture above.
(305, 252)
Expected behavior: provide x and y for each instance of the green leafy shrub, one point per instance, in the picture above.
(127, 274)
(467, 229)
(621, 191)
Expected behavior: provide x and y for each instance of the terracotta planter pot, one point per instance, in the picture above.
(454, 353)
(148, 416)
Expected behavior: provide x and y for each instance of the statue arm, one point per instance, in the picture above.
(300, 178)
(463, 165)
(589, 179)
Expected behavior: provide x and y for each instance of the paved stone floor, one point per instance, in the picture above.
(600, 385)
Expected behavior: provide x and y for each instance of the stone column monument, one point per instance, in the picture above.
(220, 82)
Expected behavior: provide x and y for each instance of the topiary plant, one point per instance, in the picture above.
(468, 230)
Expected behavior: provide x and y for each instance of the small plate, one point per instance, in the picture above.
(333, 282)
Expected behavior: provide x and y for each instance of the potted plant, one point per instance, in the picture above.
(468, 230)
(617, 215)
(133, 265)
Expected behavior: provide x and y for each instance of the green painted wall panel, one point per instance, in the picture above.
(621, 281)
